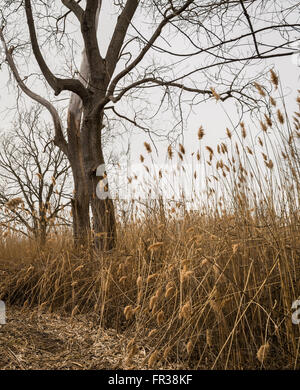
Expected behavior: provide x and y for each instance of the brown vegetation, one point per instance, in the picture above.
(211, 289)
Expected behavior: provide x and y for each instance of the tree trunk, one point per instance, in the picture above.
(80, 211)
(81, 222)
(42, 224)
(42, 235)
(104, 223)
(81, 201)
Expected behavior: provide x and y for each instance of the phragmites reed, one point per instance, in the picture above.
(224, 148)
(249, 150)
(152, 302)
(139, 282)
(228, 132)
(74, 311)
(155, 246)
(14, 203)
(200, 133)
(170, 292)
(209, 149)
(152, 332)
(269, 164)
(280, 117)
(148, 147)
(158, 292)
(274, 78)
(151, 277)
(263, 126)
(136, 309)
(259, 89)
(189, 347)
(153, 359)
(132, 350)
(263, 351)
(208, 334)
(215, 94)
(160, 318)
(244, 133)
(182, 149)
(185, 275)
(169, 284)
(123, 279)
(186, 311)
(167, 352)
(128, 312)
(268, 120)
(170, 152)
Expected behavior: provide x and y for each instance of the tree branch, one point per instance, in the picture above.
(161, 83)
(251, 27)
(119, 35)
(89, 24)
(148, 46)
(59, 139)
(74, 7)
(56, 84)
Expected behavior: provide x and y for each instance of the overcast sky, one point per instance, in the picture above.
(212, 115)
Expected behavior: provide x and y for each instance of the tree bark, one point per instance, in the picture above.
(104, 222)
(81, 221)
(42, 235)
(80, 205)
(80, 201)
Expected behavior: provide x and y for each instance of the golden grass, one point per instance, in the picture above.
(211, 288)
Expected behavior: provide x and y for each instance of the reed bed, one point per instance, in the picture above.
(207, 282)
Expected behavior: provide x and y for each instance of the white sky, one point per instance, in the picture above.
(210, 115)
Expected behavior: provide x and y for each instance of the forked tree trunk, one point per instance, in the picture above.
(77, 144)
(83, 147)
(86, 156)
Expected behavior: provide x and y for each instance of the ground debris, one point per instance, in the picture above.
(31, 340)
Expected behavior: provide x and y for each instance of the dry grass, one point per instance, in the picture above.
(32, 340)
(206, 289)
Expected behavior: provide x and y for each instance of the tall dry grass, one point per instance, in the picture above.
(208, 286)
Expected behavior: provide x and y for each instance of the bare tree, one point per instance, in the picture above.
(34, 187)
(219, 38)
